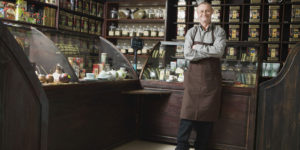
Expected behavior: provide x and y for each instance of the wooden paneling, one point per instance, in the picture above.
(234, 130)
(278, 124)
(23, 104)
(91, 116)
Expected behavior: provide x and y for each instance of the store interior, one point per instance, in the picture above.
(97, 74)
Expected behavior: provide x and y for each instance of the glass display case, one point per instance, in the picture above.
(62, 57)
(239, 64)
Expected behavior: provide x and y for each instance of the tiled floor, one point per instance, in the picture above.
(146, 145)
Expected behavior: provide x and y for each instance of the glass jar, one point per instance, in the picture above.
(147, 31)
(132, 32)
(140, 31)
(114, 13)
(154, 32)
(151, 13)
(112, 29)
(124, 48)
(125, 31)
(118, 32)
(161, 32)
(145, 49)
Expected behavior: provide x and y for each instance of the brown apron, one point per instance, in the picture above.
(202, 90)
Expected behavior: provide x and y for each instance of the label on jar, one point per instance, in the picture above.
(161, 34)
(130, 50)
(144, 51)
(146, 33)
(153, 33)
(123, 51)
(124, 33)
(111, 33)
(117, 33)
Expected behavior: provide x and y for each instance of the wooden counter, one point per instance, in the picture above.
(91, 116)
(234, 130)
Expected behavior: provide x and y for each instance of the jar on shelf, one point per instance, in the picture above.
(161, 32)
(140, 31)
(114, 13)
(147, 31)
(124, 48)
(112, 29)
(125, 31)
(139, 65)
(132, 32)
(151, 13)
(154, 32)
(145, 49)
(118, 32)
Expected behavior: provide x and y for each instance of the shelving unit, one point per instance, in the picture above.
(285, 13)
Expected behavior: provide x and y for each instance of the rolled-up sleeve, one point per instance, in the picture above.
(190, 53)
(200, 51)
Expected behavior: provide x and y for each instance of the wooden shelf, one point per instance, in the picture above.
(41, 4)
(139, 55)
(81, 14)
(141, 4)
(25, 23)
(144, 38)
(138, 20)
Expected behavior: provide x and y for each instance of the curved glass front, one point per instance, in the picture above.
(43, 54)
(71, 58)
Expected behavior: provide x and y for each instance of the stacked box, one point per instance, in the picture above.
(274, 33)
(253, 34)
(254, 14)
(273, 52)
(234, 14)
(274, 13)
(234, 32)
(294, 32)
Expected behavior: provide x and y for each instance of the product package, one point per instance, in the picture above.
(274, 33)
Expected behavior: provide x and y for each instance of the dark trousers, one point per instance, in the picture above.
(203, 132)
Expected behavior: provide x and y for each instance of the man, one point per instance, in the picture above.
(204, 46)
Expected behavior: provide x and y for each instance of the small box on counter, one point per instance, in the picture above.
(254, 14)
(294, 32)
(234, 14)
(231, 53)
(273, 52)
(253, 34)
(234, 32)
(274, 33)
(274, 12)
(295, 13)
(216, 16)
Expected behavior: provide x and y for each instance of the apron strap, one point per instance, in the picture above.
(203, 43)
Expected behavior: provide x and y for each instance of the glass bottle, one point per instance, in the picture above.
(125, 31)
(151, 14)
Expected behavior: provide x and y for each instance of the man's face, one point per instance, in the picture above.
(204, 13)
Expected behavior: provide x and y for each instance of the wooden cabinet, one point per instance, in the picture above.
(234, 130)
